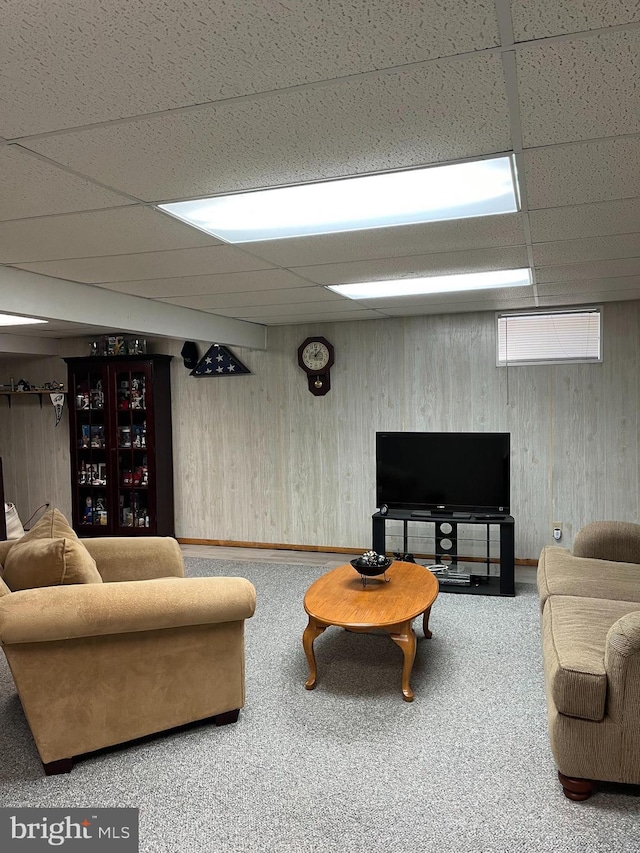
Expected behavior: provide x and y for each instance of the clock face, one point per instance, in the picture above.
(315, 356)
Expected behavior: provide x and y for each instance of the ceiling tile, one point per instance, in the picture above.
(326, 132)
(572, 90)
(585, 220)
(578, 299)
(318, 315)
(417, 265)
(296, 295)
(590, 287)
(593, 269)
(552, 17)
(475, 233)
(101, 232)
(498, 294)
(339, 305)
(463, 307)
(66, 64)
(197, 285)
(582, 173)
(33, 187)
(592, 249)
(147, 265)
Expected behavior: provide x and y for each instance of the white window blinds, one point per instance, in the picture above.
(549, 336)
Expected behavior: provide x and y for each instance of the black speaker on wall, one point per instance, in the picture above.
(189, 353)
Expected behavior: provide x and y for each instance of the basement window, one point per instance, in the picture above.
(549, 337)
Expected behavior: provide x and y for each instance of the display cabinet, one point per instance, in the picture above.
(121, 445)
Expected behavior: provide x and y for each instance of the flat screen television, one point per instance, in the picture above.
(444, 471)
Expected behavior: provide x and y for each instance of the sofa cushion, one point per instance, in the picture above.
(52, 525)
(4, 589)
(574, 634)
(561, 573)
(49, 562)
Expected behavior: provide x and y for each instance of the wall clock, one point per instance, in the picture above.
(315, 357)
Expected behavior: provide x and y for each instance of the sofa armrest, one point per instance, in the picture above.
(5, 545)
(133, 558)
(617, 541)
(622, 665)
(91, 610)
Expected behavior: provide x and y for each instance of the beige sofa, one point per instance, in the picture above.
(590, 602)
(134, 650)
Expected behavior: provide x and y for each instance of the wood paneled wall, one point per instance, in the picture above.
(35, 453)
(259, 459)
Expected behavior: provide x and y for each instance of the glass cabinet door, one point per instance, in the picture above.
(91, 442)
(132, 470)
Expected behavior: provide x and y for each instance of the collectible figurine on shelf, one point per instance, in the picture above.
(88, 512)
(97, 396)
(136, 394)
(85, 438)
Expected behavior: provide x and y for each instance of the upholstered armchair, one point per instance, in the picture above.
(129, 648)
(591, 649)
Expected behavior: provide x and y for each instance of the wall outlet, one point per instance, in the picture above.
(557, 530)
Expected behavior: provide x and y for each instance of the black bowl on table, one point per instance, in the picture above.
(369, 570)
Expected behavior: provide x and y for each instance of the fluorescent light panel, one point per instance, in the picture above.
(14, 320)
(433, 284)
(433, 194)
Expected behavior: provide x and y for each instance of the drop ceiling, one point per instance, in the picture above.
(108, 109)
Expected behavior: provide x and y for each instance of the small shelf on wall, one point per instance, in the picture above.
(40, 392)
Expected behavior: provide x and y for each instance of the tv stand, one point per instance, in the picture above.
(443, 513)
(502, 584)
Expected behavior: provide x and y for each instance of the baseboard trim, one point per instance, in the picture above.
(321, 549)
(271, 546)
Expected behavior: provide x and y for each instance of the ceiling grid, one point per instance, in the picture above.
(139, 104)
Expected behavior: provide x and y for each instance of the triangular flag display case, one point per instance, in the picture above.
(219, 361)
(121, 445)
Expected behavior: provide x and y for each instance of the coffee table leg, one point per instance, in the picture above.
(312, 631)
(405, 638)
(425, 623)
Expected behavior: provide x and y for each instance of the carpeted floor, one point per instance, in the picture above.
(465, 768)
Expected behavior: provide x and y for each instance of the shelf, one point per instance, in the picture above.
(482, 586)
(39, 392)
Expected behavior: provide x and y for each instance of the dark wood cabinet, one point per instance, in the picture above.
(121, 445)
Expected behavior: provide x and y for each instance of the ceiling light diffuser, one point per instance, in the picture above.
(13, 320)
(433, 194)
(433, 284)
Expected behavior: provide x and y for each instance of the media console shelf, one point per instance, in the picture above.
(482, 584)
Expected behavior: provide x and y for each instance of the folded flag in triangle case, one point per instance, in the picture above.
(219, 361)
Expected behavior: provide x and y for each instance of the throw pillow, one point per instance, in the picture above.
(49, 562)
(52, 525)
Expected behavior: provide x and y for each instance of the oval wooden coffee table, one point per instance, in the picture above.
(339, 598)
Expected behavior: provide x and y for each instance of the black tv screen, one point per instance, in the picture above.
(445, 471)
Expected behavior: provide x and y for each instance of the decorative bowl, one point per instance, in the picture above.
(370, 571)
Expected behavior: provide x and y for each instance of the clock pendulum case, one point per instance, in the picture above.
(315, 357)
